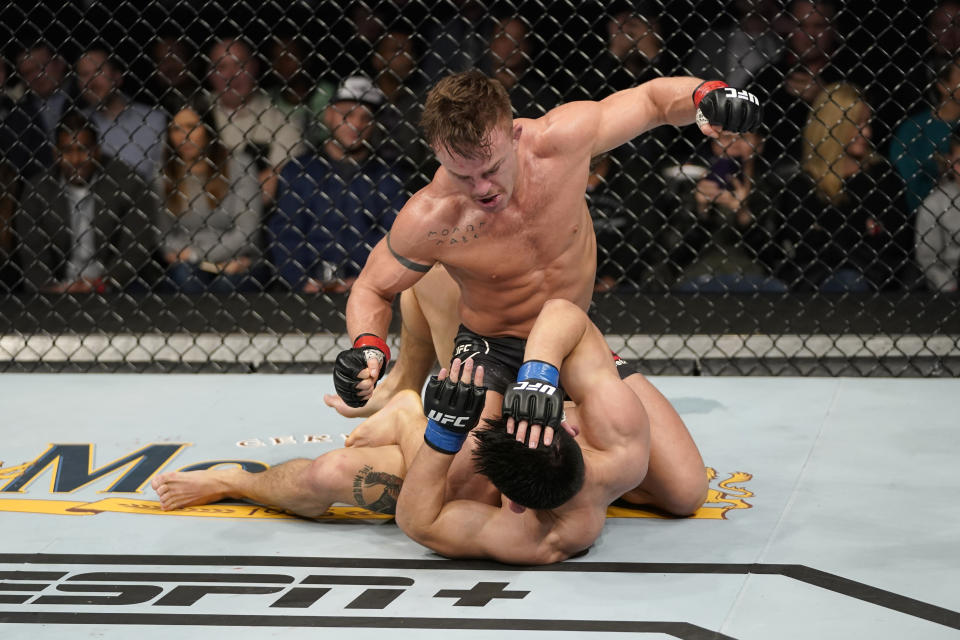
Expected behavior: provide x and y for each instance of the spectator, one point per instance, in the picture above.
(620, 197)
(726, 242)
(846, 219)
(454, 40)
(336, 204)
(210, 207)
(394, 66)
(174, 80)
(245, 117)
(786, 89)
(938, 227)
(23, 144)
(297, 94)
(943, 29)
(44, 71)
(736, 54)
(921, 138)
(85, 225)
(510, 60)
(128, 130)
(631, 57)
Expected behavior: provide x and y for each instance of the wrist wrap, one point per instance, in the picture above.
(442, 439)
(706, 87)
(370, 340)
(538, 370)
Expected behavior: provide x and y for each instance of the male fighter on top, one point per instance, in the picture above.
(505, 215)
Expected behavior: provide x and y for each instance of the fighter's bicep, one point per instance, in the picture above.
(404, 261)
(384, 274)
(469, 529)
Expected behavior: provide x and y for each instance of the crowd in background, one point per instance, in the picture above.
(239, 165)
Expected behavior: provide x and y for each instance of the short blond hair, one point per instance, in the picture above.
(461, 110)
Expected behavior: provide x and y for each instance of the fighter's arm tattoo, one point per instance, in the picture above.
(406, 262)
(387, 502)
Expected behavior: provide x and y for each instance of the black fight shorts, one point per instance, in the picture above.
(501, 358)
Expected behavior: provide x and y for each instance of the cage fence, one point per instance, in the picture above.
(180, 192)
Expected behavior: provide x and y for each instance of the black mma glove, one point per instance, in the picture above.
(725, 107)
(452, 410)
(352, 361)
(536, 397)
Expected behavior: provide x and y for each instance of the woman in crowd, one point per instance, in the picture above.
(210, 207)
(846, 227)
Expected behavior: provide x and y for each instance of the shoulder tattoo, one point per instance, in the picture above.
(449, 236)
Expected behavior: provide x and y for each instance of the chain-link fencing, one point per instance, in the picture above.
(180, 188)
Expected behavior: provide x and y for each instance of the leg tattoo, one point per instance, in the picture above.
(387, 502)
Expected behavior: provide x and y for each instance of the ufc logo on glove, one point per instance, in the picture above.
(540, 387)
(446, 418)
(742, 95)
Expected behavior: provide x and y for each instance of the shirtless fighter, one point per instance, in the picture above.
(370, 470)
(549, 502)
(506, 214)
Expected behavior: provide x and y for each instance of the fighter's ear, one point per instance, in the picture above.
(517, 130)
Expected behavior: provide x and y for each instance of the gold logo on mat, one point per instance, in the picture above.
(722, 497)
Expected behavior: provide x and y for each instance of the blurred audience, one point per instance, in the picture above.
(924, 137)
(737, 53)
(938, 227)
(620, 198)
(245, 117)
(210, 207)
(174, 80)
(9, 196)
(454, 38)
(333, 206)
(296, 91)
(943, 29)
(44, 72)
(23, 144)
(509, 59)
(129, 131)
(847, 228)
(86, 224)
(811, 60)
(631, 57)
(727, 223)
(395, 72)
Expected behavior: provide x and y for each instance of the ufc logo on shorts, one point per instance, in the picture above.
(541, 387)
(446, 418)
(463, 348)
(741, 95)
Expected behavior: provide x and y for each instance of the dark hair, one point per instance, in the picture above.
(541, 478)
(72, 123)
(173, 169)
(462, 110)
(109, 57)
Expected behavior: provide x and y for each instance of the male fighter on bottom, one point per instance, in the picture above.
(554, 496)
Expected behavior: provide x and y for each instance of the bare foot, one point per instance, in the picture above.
(382, 428)
(179, 489)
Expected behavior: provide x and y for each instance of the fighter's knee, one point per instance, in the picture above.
(688, 498)
(326, 471)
